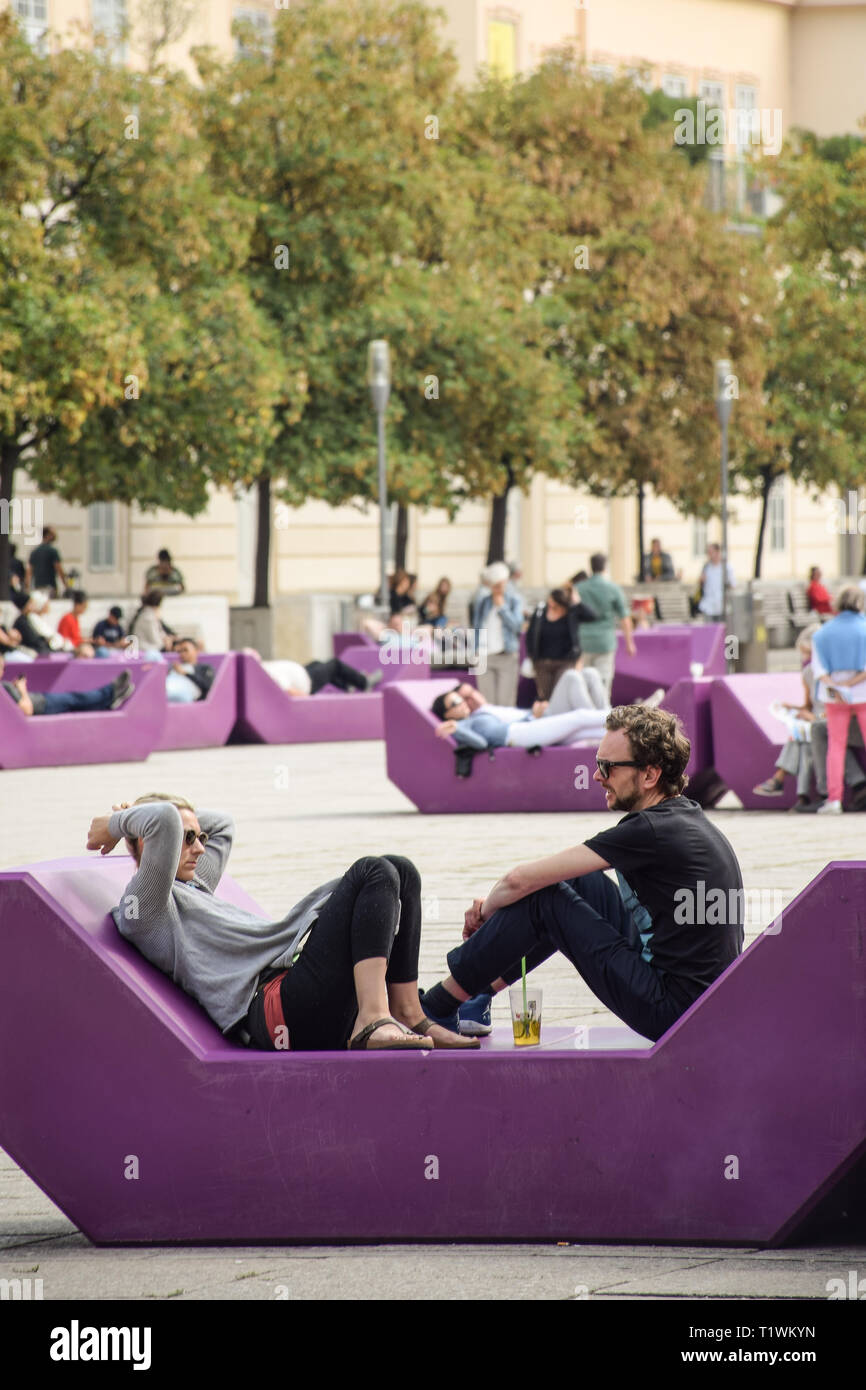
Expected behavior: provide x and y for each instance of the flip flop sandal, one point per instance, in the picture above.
(460, 1043)
(359, 1042)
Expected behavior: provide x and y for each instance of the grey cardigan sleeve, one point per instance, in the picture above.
(146, 896)
(220, 830)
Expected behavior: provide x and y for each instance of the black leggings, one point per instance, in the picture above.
(375, 910)
(334, 672)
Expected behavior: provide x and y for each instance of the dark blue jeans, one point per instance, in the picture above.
(587, 921)
(66, 701)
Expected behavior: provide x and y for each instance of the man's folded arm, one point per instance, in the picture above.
(540, 873)
(220, 829)
(160, 828)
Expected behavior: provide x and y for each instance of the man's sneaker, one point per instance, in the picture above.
(374, 679)
(474, 1017)
(450, 1022)
(123, 688)
(769, 788)
(830, 808)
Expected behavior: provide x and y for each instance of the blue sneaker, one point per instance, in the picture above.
(450, 1022)
(474, 1017)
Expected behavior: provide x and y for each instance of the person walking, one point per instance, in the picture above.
(45, 568)
(599, 638)
(839, 664)
(498, 623)
(712, 600)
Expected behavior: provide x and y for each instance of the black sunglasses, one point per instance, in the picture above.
(190, 837)
(604, 766)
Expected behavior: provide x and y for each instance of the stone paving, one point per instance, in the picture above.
(303, 813)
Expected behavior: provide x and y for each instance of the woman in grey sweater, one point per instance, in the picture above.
(354, 984)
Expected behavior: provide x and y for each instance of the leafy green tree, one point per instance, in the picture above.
(136, 366)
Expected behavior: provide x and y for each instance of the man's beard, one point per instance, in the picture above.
(626, 801)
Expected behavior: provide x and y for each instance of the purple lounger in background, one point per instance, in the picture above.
(244, 1146)
(747, 738)
(342, 640)
(266, 714)
(128, 734)
(505, 779)
(664, 656)
(395, 665)
(205, 723)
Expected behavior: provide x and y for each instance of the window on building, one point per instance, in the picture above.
(109, 18)
(102, 536)
(674, 85)
(33, 18)
(502, 47)
(745, 101)
(641, 77)
(777, 522)
(713, 93)
(261, 22)
(699, 537)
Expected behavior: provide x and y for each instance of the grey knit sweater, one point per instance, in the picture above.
(214, 950)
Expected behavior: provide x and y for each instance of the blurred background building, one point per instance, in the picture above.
(800, 58)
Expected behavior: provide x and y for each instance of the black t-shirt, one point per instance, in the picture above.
(43, 561)
(686, 875)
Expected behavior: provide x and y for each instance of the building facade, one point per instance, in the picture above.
(799, 62)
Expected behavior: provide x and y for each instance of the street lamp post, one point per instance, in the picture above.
(723, 377)
(379, 382)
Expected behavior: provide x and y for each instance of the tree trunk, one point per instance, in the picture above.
(261, 595)
(8, 460)
(499, 518)
(401, 538)
(640, 543)
(766, 484)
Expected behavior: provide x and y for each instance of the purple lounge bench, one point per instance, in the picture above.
(423, 766)
(664, 656)
(135, 1115)
(395, 665)
(747, 738)
(266, 714)
(128, 734)
(342, 640)
(205, 723)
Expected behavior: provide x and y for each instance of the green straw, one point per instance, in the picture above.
(525, 1009)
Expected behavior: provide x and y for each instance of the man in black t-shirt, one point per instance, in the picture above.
(45, 569)
(646, 966)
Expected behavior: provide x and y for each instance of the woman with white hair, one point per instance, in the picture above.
(498, 622)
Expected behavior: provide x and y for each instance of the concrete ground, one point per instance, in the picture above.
(303, 813)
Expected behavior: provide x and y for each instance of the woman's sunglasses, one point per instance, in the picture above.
(190, 837)
(604, 766)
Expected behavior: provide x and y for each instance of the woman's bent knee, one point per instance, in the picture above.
(375, 866)
(408, 875)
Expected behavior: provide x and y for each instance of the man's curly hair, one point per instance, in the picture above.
(657, 740)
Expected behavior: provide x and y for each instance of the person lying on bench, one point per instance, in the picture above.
(674, 862)
(189, 679)
(298, 681)
(110, 696)
(355, 983)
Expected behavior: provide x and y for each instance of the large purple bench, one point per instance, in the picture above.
(394, 664)
(342, 640)
(266, 714)
(144, 1124)
(205, 723)
(747, 738)
(128, 734)
(664, 656)
(505, 779)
